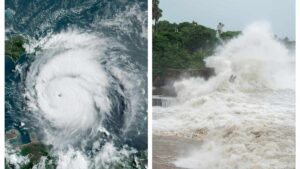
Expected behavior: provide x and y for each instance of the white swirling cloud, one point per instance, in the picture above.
(67, 84)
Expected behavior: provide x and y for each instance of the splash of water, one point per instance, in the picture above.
(247, 110)
(255, 59)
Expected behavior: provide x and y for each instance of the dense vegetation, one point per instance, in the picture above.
(156, 11)
(14, 47)
(36, 151)
(183, 46)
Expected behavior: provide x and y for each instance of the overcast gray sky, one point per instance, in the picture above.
(235, 14)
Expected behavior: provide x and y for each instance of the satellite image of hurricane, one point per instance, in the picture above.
(75, 84)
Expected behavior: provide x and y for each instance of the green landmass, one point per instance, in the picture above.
(34, 151)
(14, 47)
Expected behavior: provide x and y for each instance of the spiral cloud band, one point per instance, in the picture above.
(67, 84)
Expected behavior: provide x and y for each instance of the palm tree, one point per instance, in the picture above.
(156, 12)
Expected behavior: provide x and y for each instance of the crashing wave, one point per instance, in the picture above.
(247, 110)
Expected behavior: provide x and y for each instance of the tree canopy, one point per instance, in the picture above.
(156, 11)
(183, 46)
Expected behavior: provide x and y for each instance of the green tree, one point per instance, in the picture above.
(156, 11)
